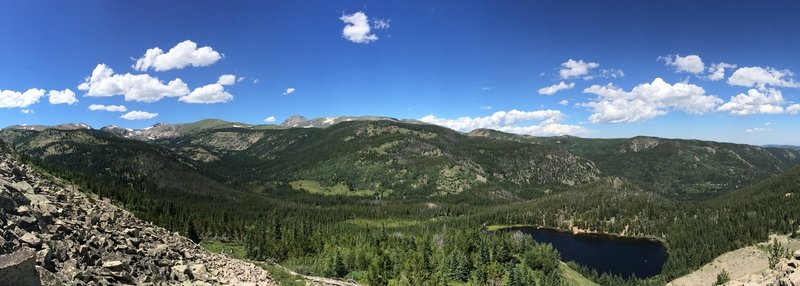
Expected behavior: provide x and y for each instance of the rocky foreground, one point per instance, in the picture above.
(784, 273)
(52, 234)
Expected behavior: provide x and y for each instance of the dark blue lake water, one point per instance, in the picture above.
(605, 254)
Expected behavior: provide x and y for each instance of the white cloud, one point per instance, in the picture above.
(564, 102)
(757, 129)
(357, 29)
(141, 87)
(16, 99)
(548, 122)
(691, 63)
(793, 109)
(240, 79)
(255, 80)
(769, 101)
(227, 79)
(62, 97)
(212, 93)
(27, 111)
(717, 71)
(761, 77)
(611, 73)
(289, 91)
(182, 55)
(550, 90)
(573, 69)
(138, 115)
(110, 108)
(647, 100)
(486, 107)
(486, 88)
(381, 24)
(270, 119)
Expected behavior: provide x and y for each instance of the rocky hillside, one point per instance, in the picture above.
(52, 234)
(784, 273)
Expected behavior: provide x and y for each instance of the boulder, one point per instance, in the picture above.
(794, 278)
(7, 204)
(23, 186)
(31, 239)
(19, 268)
(114, 265)
(181, 273)
(796, 255)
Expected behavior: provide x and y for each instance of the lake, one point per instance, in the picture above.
(604, 253)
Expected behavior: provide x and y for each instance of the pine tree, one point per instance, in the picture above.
(336, 266)
(191, 233)
(379, 271)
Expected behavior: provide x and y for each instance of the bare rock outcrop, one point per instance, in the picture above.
(784, 273)
(52, 234)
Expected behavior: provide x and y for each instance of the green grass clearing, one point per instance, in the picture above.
(234, 249)
(335, 190)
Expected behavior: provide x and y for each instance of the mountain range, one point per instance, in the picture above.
(379, 156)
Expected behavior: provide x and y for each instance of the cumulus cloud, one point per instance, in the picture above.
(182, 55)
(212, 93)
(270, 119)
(227, 79)
(289, 91)
(564, 102)
(510, 121)
(690, 64)
(793, 109)
(27, 111)
(761, 77)
(646, 100)
(66, 96)
(769, 101)
(717, 71)
(573, 69)
(110, 108)
(357, 29)
(138, 115)
(550, 90)
(141, 87)
(16, 99)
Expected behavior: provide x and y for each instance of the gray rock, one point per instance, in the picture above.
(7, 204)
(32, 240)
(27, 223)
(23, 186)
(181, 273)
(199, 271)
(19, 268)
(114, 265)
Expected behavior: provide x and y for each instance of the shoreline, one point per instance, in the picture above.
(577, 232)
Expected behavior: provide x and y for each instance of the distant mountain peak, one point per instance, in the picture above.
(293, 121)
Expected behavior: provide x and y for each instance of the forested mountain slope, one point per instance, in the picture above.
(674, 167)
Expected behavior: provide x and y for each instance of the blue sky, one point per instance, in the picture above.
(638, 67)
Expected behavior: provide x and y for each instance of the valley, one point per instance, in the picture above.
(385, 201)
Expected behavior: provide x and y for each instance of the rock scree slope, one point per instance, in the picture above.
(52, 234)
